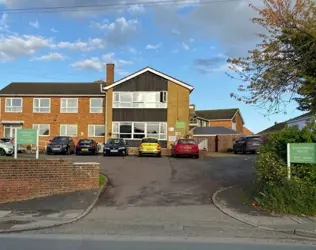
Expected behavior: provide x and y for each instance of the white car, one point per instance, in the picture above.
(6, 148)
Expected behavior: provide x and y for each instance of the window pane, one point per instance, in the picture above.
(99, 130)
(153, 135)
(36, 103)
(115, 136)
(8, 102)
(72, 103)
(139, 136)
(163, 137)
(125, 97)
(125, 135)
(16, 102)
(44, 129)
(115, 127)
(91, 130)
(152, 128)
(126, 104)
(96, 102)
(7, 132)
(63, 102)
(138, 97)
(44, 103)
(163, 128)
(62, 130)
(116, 97)
(71, 130)
(139, 127)
(126, 128)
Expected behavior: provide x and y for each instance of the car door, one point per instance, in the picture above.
(241, 143)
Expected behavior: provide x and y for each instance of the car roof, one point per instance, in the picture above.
(150, 138)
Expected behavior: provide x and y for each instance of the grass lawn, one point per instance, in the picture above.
(102, 180)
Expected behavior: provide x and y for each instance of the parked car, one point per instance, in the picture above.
(247, 144)
(149, 146)
(61, 145)
(185, 147)
(87, 146)
(115, 146)
(10, 140)
(6, 148)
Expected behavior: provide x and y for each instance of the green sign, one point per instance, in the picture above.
(302, 152)
(180, 124)
(26, 136)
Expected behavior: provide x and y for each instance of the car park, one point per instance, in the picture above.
(185, 147)
(61, 145)
(115, 146)
(87, 146)
(149, 146)
(247, 144)
(6, 148)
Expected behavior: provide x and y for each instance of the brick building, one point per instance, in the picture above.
(146, 103)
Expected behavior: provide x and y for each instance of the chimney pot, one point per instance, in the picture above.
(109, 73)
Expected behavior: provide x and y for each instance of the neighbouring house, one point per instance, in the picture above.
(228, 118)
(146, 103)
(246, 131)
(300, 121)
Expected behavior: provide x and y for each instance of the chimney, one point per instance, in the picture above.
(192, 108)
(109, 73)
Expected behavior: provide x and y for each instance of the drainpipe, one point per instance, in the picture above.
(105, 108)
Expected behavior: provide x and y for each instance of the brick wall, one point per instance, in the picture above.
(83, 118)
(178, 109)
(26, 179)
(239, 123)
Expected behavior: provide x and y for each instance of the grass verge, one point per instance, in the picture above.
(102, 180)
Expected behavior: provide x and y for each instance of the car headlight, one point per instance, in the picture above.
(121, 147)
(65, 146)
(106, 148)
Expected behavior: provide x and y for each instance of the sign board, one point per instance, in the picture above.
(180, 124)
(172, 138)
(26, 136)
(302, 152)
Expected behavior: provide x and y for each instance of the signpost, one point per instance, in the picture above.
(26, 136)
(300, 153)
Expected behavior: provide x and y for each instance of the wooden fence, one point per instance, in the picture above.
(216, 143)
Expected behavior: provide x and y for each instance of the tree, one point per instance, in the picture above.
(282, 68)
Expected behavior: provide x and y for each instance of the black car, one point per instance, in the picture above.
(87, 146)
(247, 144)
(61, 145)
(115, 146)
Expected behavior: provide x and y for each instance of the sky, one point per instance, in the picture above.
(189, 40)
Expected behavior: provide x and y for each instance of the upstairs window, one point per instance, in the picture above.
(69, 105)
(13, 105)
(41, 105)
(141, 99)
(96, 105)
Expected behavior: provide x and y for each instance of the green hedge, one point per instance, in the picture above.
(274, 191)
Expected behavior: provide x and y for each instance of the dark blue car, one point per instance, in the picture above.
(115, 146)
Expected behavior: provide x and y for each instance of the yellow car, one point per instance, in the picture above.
(149, 146)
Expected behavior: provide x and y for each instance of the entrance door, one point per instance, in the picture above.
(9, 131)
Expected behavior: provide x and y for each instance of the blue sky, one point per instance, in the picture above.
(190, 41)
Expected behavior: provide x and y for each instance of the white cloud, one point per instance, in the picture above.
(97, 64)
(34, 24)
(53, 30)
(153, 46)
(185, 46)
(52, 56)
(3, 22)
(89, 45)
(12, 47)
(136, 9)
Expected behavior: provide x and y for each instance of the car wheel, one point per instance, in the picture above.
(196, 157)
(68, 151)
(243, 151)
(2, 152)
(104, 154)
(235, 151)
(139, 155)
(48, 153)
(159, 155)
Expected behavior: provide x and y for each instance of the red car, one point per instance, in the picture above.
(185, 147)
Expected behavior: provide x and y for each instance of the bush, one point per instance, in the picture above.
(274, 191)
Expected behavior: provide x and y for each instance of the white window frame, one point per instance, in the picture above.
(11, 98)
(161, 136)
(96, 125)
(67, 129)
(61, 107)
(96, 107)
(34, 108)
(39, 128)
(140, 104)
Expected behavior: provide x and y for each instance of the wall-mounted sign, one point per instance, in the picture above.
(180, 124)
(171, 129)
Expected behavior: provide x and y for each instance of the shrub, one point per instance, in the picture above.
(274, 191)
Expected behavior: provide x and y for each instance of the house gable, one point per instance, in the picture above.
(148, 70)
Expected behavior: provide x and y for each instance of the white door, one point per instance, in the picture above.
(9, 131)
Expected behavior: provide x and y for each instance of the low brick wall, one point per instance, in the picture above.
(27, 179)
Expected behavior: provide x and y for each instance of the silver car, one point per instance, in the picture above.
(6, 148)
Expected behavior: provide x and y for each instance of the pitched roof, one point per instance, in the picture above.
(246, 131)
(51, 88)
(279, 126)
(214, 131)
(217, 114)
(149, 69)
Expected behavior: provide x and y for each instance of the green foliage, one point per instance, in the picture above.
(274, 191)
(102, 180)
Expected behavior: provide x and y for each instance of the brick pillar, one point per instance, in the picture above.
(109, 73)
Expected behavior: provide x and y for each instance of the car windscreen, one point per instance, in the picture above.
(85, 141)
(60, 139)
(5, 140)
(115, 141)
(191, 142)
(149, 140)
(256, 139)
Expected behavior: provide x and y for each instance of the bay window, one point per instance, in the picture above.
(143, 99)
(139, 130)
